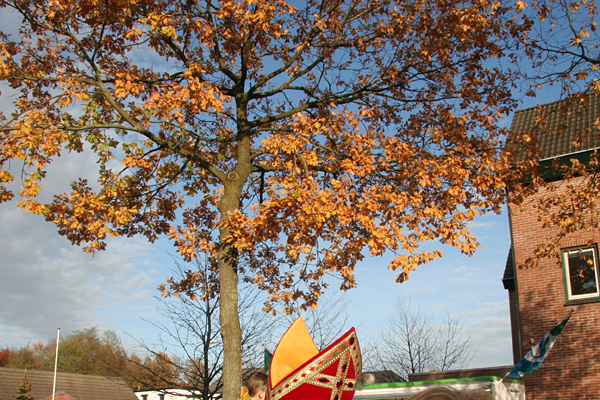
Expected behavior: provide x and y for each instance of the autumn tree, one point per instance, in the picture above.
(89, 351)
(296, 136)
(33, 356)
(86, 351)
(414, 343)
(92, 352)
(6, 355)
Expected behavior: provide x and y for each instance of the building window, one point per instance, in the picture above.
(144, 397)
(161, 396)
(581, 272)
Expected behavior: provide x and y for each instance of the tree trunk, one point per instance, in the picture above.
(231, 332)
(228, 260)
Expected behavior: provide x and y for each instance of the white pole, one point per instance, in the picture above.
(55, 363)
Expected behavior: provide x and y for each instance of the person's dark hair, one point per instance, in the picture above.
(445, 393)
(256, 382)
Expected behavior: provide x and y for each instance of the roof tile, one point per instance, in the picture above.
(77, 386)
(560, 128)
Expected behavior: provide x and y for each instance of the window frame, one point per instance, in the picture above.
(567, 273)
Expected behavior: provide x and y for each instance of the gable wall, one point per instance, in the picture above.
(572, 369)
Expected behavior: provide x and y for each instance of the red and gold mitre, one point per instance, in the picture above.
(300, 371)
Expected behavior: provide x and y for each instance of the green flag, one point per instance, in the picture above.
(536, 355)
(268, 357)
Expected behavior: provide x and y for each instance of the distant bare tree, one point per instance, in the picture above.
(192, 331)
(413, 343)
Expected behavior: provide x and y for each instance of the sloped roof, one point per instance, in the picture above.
(59, 396)
(560, 128)
(385, 376)
(76, 386)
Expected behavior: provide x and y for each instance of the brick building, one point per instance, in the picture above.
(540, 297)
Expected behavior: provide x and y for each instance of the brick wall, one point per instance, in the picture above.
(572, 369)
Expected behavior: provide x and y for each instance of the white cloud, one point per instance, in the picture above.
(461, 268)
(478, 224)
(465, 278)
(48, 283)
(42, 285)
(498, 309)
(490, 339)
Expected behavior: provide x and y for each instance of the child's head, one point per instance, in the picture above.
(258, 386)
